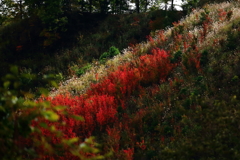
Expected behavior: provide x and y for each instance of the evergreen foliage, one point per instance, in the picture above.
(113, 51)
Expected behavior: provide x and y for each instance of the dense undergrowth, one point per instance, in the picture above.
(175, 96)
(28, 44)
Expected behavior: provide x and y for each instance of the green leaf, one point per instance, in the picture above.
(89, 140)
(14, 99)
(54, 84)
(50, 115)
(83, 145)
(73, 140)
(44, 125)
(30, 103)
(78, 118)
(14, 70)
(45, 104)
(95, 150)
(6, 84)
(58, 108)
(2, 109)
(9, 76)
(99, 157)
(43, 91)
(70, 141)
(53, 128)
(16, 85)
(28, 95)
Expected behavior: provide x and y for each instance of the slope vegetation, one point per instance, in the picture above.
(173, 97)
(28, 44)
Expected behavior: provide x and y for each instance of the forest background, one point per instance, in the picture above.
(34, 34)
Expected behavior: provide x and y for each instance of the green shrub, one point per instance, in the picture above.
(15, 119)
(113, 51)
(176, 57)
(204, 58)
(83, 70)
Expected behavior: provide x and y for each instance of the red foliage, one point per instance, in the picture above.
(161, 38)
(155, 67)
(99, 105)
(141, 145)
(129, 153)
(162, 138)
(150, 39)
(114, 134)
(19, 48)
(222, 14)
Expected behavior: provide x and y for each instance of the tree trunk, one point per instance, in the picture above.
(137, 5)
(172, 6)
(90, 6)
(146, 4)
(20, 9)
(82, 5)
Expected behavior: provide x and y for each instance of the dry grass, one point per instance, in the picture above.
(218, 29)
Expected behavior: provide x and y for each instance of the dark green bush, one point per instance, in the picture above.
(83, 70)
(204, 58)
(113, 51)
(176, 57)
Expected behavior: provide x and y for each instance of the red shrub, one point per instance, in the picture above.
(99, 105)
(129, 153)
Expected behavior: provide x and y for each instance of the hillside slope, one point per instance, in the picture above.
(28, 44)
(173, 97)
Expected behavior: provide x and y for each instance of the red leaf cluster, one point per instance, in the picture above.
(99, 106)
